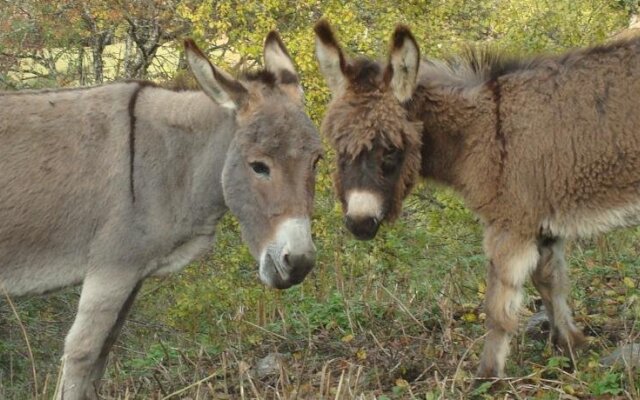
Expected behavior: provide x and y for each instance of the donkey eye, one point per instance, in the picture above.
(390, 160)
(260, 168)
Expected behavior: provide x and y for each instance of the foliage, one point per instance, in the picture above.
(608, 383)
(393, 318)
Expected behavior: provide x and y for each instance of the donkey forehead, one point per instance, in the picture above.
(279, 130)
(354, 125)
(364, 75)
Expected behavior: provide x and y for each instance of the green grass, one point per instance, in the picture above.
(398, 317)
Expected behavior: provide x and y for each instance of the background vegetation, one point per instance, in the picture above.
(399, 317)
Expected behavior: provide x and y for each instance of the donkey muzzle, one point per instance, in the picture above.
(288, 259)
(364, 213)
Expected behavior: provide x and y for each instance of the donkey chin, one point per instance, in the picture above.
(288, 258)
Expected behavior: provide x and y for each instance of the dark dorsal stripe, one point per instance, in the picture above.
(132, 132)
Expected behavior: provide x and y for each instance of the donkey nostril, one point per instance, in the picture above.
(286, 260)
(363, 228)
(348, 221)
(371, 223)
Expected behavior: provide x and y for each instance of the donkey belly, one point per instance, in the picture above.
(41, 273)
(587, 222)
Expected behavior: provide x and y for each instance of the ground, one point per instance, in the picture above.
(399, 317)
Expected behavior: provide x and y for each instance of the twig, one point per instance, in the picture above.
(264, 330)
(200, 382)
(26, 339)
(339, 389)
(404, 308)
(464, 356)
(58, 389)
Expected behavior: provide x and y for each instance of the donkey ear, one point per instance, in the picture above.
(278, 61)
(217, 84)
(404, 62)
(330, 57)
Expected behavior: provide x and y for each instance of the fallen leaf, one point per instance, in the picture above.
(628, 282)
(402, 383)
(470, 317)
(347, 338)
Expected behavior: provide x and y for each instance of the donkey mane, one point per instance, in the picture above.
(475, 66)
(478, 65)
(266, 77)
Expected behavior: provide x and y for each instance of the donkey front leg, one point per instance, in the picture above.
(105, 300)
(552, 282)
(511, 260)
(101, 363)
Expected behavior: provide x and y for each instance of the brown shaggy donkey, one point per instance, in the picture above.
(540, 149)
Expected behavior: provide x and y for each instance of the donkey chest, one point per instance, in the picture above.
(187, 249)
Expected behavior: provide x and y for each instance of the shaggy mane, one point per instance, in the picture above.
(478, 65)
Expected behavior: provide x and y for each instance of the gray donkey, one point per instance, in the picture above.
(540, 149)
(108, 185)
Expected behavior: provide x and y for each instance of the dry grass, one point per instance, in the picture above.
(397, 318)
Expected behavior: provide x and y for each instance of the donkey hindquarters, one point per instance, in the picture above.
(106, 186)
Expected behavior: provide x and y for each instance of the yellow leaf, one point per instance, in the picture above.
(347, 338)
(628, 282)
(402, 383)
(482, 289)
(568, 389)
(361, 354)
(469, 317)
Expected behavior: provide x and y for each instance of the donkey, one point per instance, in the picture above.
(540, 149)
(109, 185)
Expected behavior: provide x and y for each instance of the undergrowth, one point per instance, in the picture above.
(394, 318)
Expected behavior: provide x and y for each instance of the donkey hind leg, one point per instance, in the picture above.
(511, 260)
(106, 296)
(551, 280)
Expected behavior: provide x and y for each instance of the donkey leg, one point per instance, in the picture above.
(101, 362)
(105, 294)
(551, 280)
(512, 259)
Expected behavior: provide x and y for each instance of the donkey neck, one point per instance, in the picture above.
(185, 112)
(460, 144)
(180, 147)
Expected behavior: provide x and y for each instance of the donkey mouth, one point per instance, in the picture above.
(273, 273)
(288, 259)
(283, 271)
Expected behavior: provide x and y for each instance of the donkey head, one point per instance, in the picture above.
(269, 173)
(377, 146)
